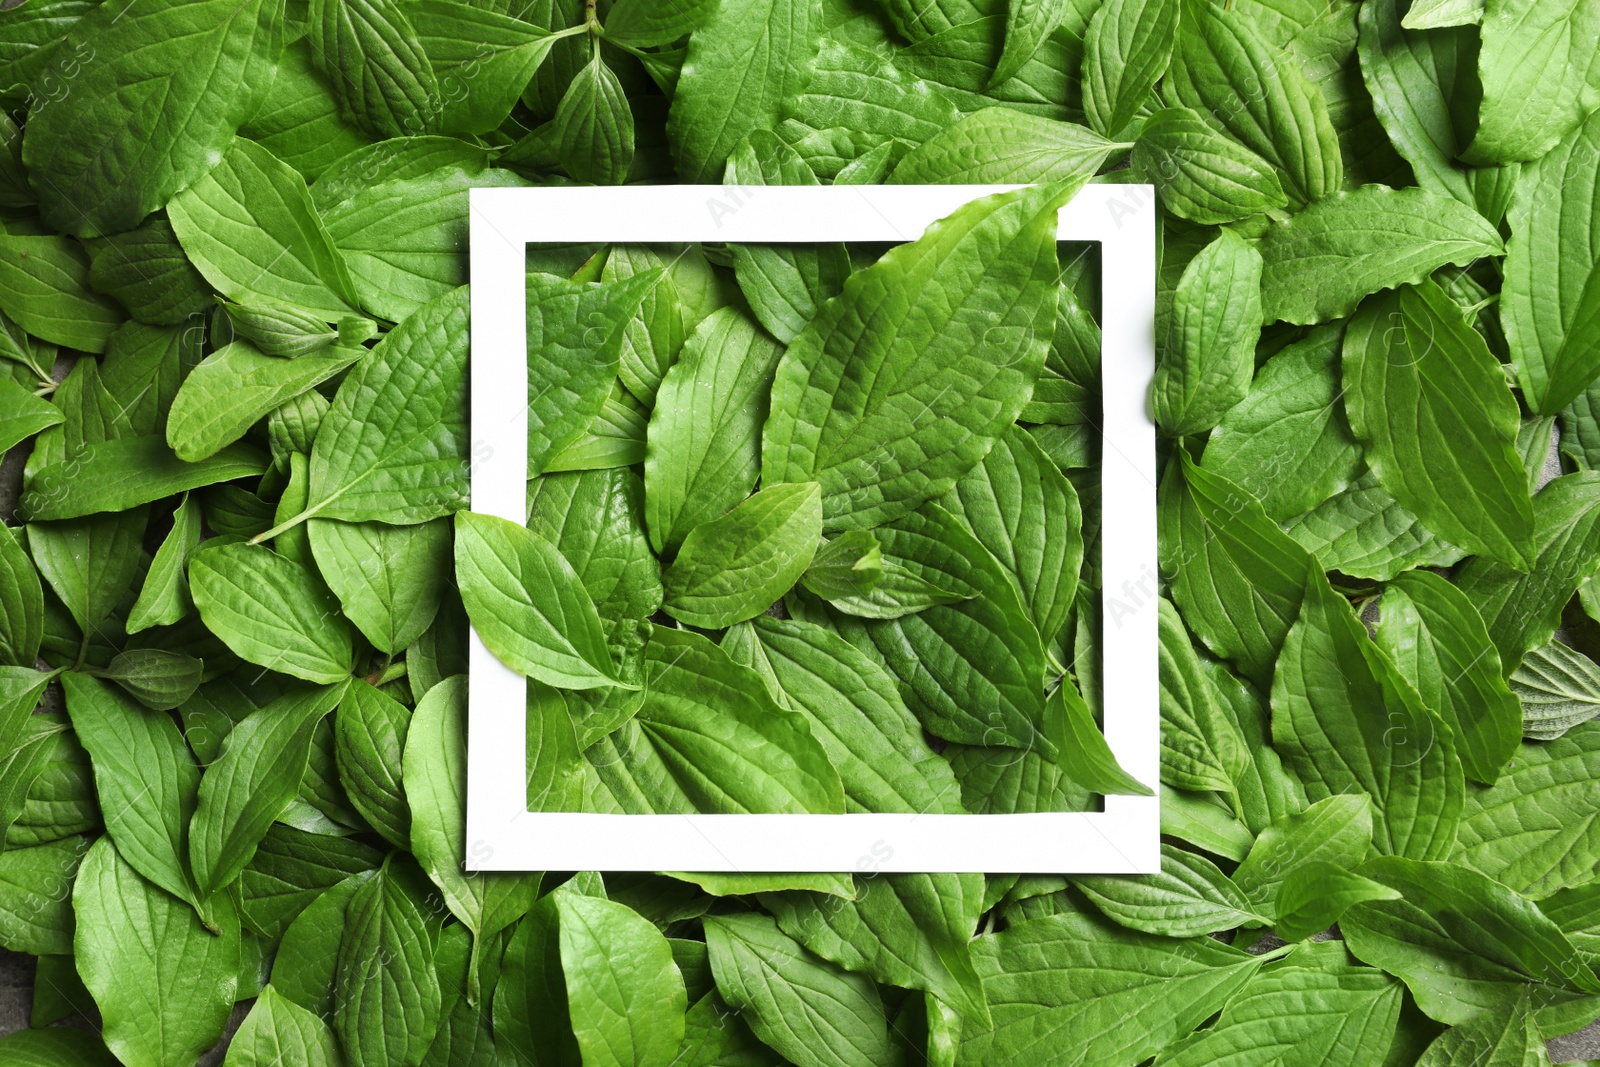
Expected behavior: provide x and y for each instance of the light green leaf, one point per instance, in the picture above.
(164, 598)
(1365, 533)
(127, 472)
(146, 271)
(1429, 401)
(22, 414)
(1558, 688)
(235, 387)
(735, 567)
(1501, 1036)
(1200, 174)
(1540, 76)
(44, 284)
(1335, 830)
(156, 677)
(21, 603)
(1316, 894)
(482, 58)
(1436, 14)
(386, 993)
(55, 1047)
(369, 737)
(299, 120)
(306, 965)
(643, 24)
(389, 579)
(164, 983)
(1321, 262)
(1086, 759)
(279, 1031)
(850, 565)
(998, 145)
(249, 226)
(596, 521)
(1211, 337)
(1201, 747)
(271, 611)
(375, 65)
(36, 896)
(959, 321)
(1126, 50)
(1189, 897)
(596, 126)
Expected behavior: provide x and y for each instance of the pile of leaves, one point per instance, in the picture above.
(235, 594)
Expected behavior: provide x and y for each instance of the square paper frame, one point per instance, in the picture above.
(1122, 839)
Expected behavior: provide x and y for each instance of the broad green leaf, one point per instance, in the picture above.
(55, 1047)
(393, 445)
(1020, 507)
(482, 58)
(144, 776)
(997, 145)
(157, 91)
(813, 1013)
(855, 713)
(643, 24)
(1549, 313)
(1461, 941)
(386, 993)
(1313, 1008)
(1237, 578)
(529, 606)
(1315, 895)
(1429, 401)
(388, 579)
(1126, 50)
(596, 520)
(435, 776)
(305, 968)
(292, 870)
(861, 91)
(596, 126)
(22, 414)
(397, 159)
(156, 677)
(36, 896)
(272, 611)
(850, 565)
(1201, 747)
(164, 983)
(279, 1031)
(142, 370)
(249, 226)
(1540, 76)
(705, 430)
(1085, 757)
(1189, 897)
(403, 238)
(1501, 1036)
(147, 272)
(1336, 830)
(1327, 681)
(235, 387)
(1535, 830)
(1434, 14)
(1321, 262)
(1558, 688)
(164, 598)
(44, 283)
(298, 120)
(530, 1005)
(1211, 337)
(21, 603)
(1074, 988)
(733, 568)
(1287, 443)
(369, 736)
(1028, 24)
(251, 783)
(624, 992)
(88, 563)
(375, 65)
(958, 321)
(1434, 635)
(1201, 174)
(1522, 610)
(744, 62)
(1365, 533)
(279, 330)
(127, 472)
(1259, 95)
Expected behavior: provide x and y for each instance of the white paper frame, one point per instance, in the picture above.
(1122, 839)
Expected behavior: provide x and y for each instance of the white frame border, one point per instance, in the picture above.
(1122, 839)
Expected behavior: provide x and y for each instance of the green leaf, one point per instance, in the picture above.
(596, 520)
(235, 387)
(277, 1031)
(1238, 579)
(1314, 1007)
(705, 430)
(157, 678)
(272, 611)
(44, 284)
(1201, 747)
(434, 770)
(249, 226)
(1434, 635)
(1211, 337)
(1429, 401)
(624, 992)
(1287, 443)
(376, 66)
(1535, 830)
(642, 24)
(850, 565)
(529, 606)
(1549, 314)
(1200, 174)
(1259, 95)
(22, 414)
(1365, 533)
(144, 776)
(1522, 610)
(127, 472)
(307, 962)
(1316, 894)
(36, 896)
(1072, 986)
(157, 91)
(252, 782)
(596, 126)
(868, 98)
(1086, 759)
(164, 983)
(164, 598)
(387, 998)
(1436, 14)
(293, 870)
(1321, 262)
(1540, 78)
(813, 1013)
(389, 579)
(1328, 679)
(146, 271)
(55, 1047)
(744, 62)
(1502, 1036)
(21, 603)
(1558, 688)
(482, 58)
(959, 321)
(299, 120)
(1189, 897)
(1126, 50)
(1336, 830)
(998, 145)
(88, 563)
(369, 737)
(733, 568)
